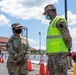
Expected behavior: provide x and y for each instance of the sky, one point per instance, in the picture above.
(29, 14)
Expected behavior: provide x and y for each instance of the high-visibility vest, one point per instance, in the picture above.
(54, 41)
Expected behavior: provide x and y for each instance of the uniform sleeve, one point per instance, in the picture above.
(62, 26)
(27, 47)
(27, 50)
(10, 47)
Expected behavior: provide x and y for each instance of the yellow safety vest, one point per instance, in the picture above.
(54, 41)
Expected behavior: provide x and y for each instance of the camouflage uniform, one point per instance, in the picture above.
(17, 48)
(57, 62)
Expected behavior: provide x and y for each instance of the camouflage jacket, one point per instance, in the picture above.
(18, 48)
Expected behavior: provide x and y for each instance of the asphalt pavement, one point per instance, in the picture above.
(3, 69)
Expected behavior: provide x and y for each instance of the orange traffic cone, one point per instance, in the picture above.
(29, 64)
(2, 60)
(42, 69)
(46, 71)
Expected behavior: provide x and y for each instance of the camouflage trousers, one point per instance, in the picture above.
(17, 69)
(58, 64)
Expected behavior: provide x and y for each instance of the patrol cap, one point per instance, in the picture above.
(15, 25)
(48, 7)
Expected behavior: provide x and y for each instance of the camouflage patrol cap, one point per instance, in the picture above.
(48, 7)
(15, 25)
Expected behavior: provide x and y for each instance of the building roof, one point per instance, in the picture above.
(32, 48)
(3, 39)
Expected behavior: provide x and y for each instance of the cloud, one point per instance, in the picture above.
(45, 21)
(73, 32)
(35, 44)
(3, 20)
(71, 18)
(32, 41)
(25, 9)
(30, 9)
(42, 47)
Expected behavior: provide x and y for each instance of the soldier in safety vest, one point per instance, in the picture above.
(18, 51)
(58, 42)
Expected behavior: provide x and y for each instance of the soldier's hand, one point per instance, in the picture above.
(69, 54)
(22, 62)
(16, 56)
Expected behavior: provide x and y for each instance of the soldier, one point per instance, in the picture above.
(58, 42)
(18, 51)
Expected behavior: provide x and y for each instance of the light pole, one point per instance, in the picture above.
(40, 42)
(65, 9)
(40, 45)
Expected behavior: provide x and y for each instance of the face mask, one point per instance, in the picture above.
(18, 31)
(47, 17)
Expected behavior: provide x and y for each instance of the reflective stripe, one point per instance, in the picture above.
(29, 59)
(55, 20)
(42, 62)
(56, 36)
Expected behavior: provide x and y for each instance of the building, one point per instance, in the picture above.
(3, 41)
(33, 50)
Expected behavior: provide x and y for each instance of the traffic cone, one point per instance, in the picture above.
(0, 57)
(46, 71)
(29, 64)
(42, 68)
(74, 68)
(2, 60)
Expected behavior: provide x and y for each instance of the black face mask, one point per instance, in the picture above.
(18, 31)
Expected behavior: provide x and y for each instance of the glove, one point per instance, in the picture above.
(22, 62)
